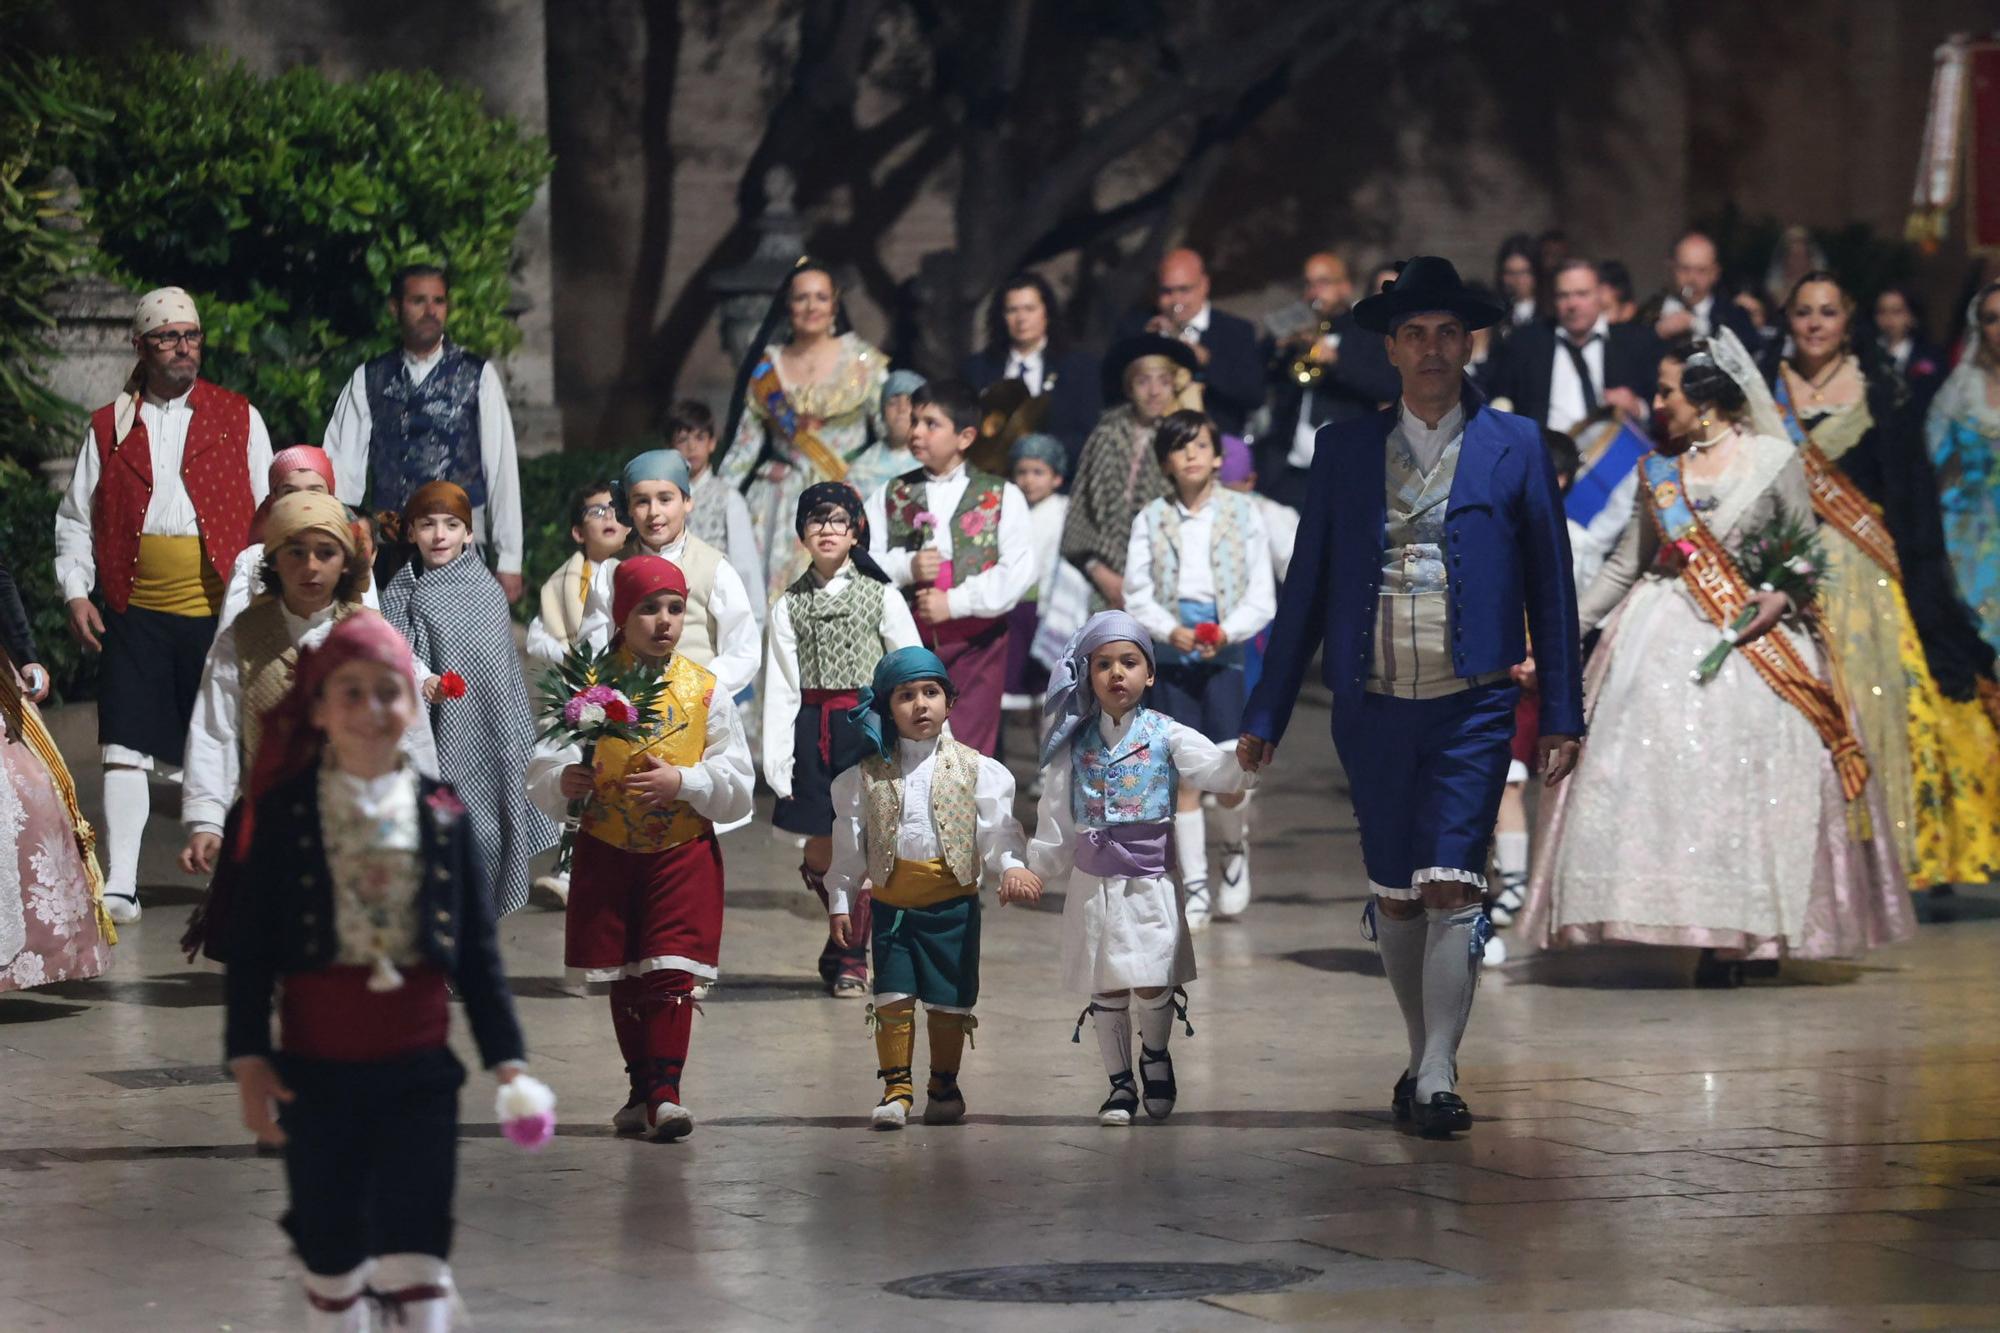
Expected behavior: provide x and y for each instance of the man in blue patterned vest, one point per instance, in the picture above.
(431, 411)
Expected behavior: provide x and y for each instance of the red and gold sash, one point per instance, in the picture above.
(770, 391)
(1836, 499)
(1719, 590)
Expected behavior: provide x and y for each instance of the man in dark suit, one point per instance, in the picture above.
(1698, 301)
(1354, 378)
(1232, 368)
(1438, 520)
(1564, 372)
(1023, 343)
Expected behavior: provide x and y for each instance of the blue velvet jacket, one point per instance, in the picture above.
(1506, 547)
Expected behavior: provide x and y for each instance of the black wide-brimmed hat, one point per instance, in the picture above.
(1426, 283)
(1127, 350)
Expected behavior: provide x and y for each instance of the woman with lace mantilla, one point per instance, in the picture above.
(807, 409)
(1812, 872)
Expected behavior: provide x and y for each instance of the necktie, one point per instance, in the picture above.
(583, 586)
(1582, 371)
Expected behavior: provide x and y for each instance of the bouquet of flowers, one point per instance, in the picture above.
(1783, 557)
(592, 696)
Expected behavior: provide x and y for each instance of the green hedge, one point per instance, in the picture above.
(28, 536)
(285, 204)
(547, 483)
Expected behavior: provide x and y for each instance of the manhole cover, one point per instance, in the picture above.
(166, 1076)
(1070, 1284)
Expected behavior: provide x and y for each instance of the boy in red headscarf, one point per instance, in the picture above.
(644, 918)
(365, 906)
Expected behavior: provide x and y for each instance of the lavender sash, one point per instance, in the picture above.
(1123, 851)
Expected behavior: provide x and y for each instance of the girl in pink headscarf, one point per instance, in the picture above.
(363, 906)
(303, 467)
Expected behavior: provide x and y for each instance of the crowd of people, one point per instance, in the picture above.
(1772, 522)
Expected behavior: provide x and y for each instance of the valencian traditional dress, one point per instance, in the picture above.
(455, 618)
(1116, 477)
(1962, 433)
(52, 921)
(796, 435)
(1725, 815)
(1902, 639)
(643, 923)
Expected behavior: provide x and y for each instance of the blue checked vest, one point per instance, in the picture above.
(1228, 551)
(1133, 784)
(424, 432)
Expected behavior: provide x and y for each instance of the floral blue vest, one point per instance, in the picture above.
(424, 432)
(1133, 784)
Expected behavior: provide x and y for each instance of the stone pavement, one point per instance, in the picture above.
(1818, 1152)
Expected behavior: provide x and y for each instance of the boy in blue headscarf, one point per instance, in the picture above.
(1111, 772)
(925, 819)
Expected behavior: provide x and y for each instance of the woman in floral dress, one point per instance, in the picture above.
(52, 921)
(808, 409)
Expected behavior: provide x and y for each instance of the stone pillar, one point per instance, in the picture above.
(746, 289)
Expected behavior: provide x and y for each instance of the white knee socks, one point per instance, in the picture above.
(1401, 945)
(128, 799)
(1451, 975)
(406, 1273)
(1111, 1016)
(1510, 850)
(1156, 1019)
(1191, 847)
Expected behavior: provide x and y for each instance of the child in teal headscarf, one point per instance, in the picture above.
(926, 867)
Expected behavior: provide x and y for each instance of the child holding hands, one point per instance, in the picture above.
(1111, 773)
(924, 818)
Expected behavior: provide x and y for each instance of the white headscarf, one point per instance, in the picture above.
(156, 309)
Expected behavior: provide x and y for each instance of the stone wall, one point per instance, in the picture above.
(1619, 132)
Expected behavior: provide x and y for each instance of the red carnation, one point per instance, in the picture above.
(451, 685)
(1208, 634)
(620, 711)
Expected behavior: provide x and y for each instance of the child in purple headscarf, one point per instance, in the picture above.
(1111, 772)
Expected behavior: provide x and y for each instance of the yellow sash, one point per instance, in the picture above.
(174, 578)
(920, 884)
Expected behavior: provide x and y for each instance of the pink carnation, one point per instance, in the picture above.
(923, 518)
(599, 694)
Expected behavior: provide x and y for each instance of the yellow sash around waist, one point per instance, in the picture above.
(174, 578)
(920, 884)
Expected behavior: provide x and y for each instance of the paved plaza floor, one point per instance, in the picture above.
(1819, 1151)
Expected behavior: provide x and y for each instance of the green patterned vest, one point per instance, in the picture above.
(975, 524)
(955, 815)
(839, 634)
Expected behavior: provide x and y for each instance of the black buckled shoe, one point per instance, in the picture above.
(1442, 1116)
(1400, 1099)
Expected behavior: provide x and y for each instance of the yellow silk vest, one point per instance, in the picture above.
(679, 737)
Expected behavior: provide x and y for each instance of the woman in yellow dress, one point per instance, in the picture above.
(807, 409)
(1906, 645)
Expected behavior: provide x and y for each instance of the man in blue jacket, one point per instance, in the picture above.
(1432, 541)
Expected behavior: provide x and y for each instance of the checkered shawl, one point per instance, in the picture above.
(456, 619)
(1116, 478)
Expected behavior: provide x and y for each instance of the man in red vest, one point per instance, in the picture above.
(169, 477)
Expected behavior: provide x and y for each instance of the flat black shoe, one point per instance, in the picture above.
(1400, 1099)
(1442, 1116)
(1713, 973)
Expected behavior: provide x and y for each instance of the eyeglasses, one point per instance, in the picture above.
(162, 340)
(599, 511)
(830, 522)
